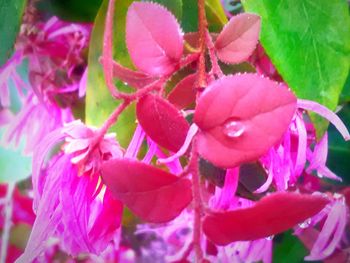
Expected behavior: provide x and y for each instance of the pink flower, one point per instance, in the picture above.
(87, 148)
(318, 159)
(28, 123)
(332, 221)
(8, 73)
(70, 209)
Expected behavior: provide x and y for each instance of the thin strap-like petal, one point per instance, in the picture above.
(191, 133)
(325, 113)
(302, 145)
(39, 155)
(135, 143)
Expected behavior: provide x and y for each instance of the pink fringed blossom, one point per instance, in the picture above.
(77, 210)
(318, 159)
(70, 209)
(8, 73)
(331, 222)
(53, 46)
(28, 123)
(87, 148)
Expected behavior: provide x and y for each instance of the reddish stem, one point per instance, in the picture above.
(107, 54)
(109, 122)
(197, 202)
(202, 29)
(215, 68)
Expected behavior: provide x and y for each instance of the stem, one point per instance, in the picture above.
(109, 122)
(107, 54)
(197, 202)
(189, 59)
(7, 222)
(215, 68)
(202, 29)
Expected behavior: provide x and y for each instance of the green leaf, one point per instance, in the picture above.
(174, 6)
(338, 149)
(345, 95)
(189, 22)
(309, 43)
(215, 15)
(10, 20)
(72, 10)
(99, 102)
(288, 249)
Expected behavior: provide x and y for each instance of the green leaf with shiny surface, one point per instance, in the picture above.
(288, 249)
(99, 102)
(71, 10)
(174, 6)
(309, 43)
(214, 11)
(10, 20)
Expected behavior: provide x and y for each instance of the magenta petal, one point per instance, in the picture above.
(191, 133)
(135, 144)
(155, 47)
(38, 160)
(49, 212)
(107, 221)
(331, 233)
(238, 39)
(302, 146)
(229, 190)
(325, 113)
(152, 149)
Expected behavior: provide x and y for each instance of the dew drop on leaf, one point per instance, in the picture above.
(233, 128)
(305, 224)
(270, 237)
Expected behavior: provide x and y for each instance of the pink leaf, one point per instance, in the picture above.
(162, 122)
(184, 93)
(238, 39)
(271, 215)
(241, 117)
(153, 38)
(151, 193)
(133, 78)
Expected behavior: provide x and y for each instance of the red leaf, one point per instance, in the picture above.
(271, 215)
(162, 122)
(241, 117)
(238, 39)
(184, 93)
(151, 193)
(153, 38)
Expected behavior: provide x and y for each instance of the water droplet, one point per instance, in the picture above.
(270, 237)
(125, 83)
(319, 175)
(233, 128)
(305, 224)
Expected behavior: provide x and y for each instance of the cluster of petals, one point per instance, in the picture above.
(88, 150)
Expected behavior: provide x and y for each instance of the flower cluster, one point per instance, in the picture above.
(215, 169)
